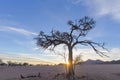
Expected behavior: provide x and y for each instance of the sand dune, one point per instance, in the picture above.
(83, 72)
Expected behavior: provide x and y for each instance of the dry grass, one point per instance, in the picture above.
(83, 72)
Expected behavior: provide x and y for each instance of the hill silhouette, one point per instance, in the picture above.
(89, 61)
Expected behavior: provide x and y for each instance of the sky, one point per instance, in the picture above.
(22, 20)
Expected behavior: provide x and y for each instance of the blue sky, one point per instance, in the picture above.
(21, 21)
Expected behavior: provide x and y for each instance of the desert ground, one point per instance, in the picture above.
(83, 72)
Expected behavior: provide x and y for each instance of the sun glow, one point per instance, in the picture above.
(67, 63)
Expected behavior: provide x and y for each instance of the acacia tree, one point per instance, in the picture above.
(75, 36)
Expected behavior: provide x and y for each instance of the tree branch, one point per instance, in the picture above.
(53, 40)
(92, 44)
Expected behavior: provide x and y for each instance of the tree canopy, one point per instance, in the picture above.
(78, 30)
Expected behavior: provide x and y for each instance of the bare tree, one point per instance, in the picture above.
(77, 60)
(1, 61)
(75, 36)
(64, 56)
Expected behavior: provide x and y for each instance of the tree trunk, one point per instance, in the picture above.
(70, 74)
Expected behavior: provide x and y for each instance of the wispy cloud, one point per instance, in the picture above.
(87, 53)
(75, 1)
(30, 58)
(105, 8)
(18, 30)
(90, 54)
(102, 8)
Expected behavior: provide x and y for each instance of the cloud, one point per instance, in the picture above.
(75, 1)
(25, 57)
(50, 58)
(101, 8)
(87, 53)
(21, 31)
(36, 49)
(90, 54)
(115, 53)
(18, 30)
(105, 7)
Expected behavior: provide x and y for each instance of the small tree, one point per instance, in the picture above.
(72, 38)
(25, 64)
(64, 56)
(1, 61)
(77, 60)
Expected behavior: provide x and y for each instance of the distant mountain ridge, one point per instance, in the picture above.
(89, 61)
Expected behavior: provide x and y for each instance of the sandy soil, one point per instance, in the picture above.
(83, 72)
